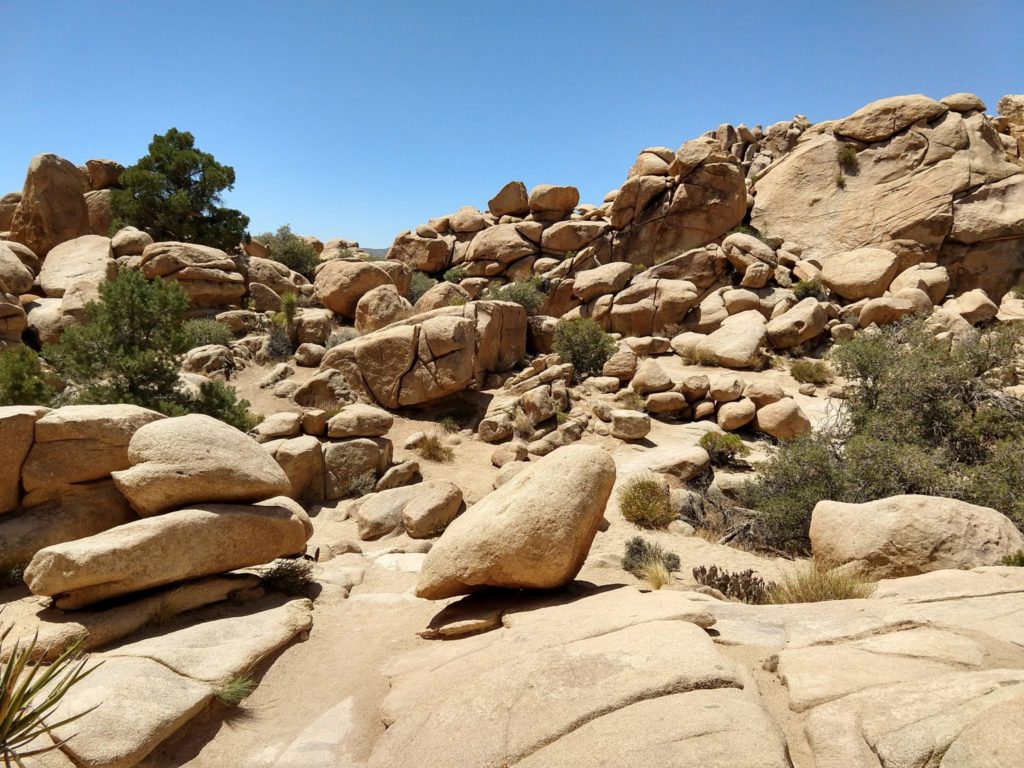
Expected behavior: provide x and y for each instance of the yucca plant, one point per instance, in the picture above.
(30, 693)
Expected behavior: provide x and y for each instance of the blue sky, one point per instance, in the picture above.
(362, 119)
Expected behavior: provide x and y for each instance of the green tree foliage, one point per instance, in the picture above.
(526, 294)
(919, 416)
(174, 193)
(130, 349)
(290, 249)
(582, 342)
(22, 381)
(200, 332)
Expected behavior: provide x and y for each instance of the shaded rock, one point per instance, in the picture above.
(52, 209)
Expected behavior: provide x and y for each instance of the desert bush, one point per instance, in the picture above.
(289, 307)
(846, 156)
(745, 586)
(1015, 560)
(526, 294)
(919, 416)
(290, 249)
(22, 380)
(630, 401)
(722, 447)
(645, 501)
(523, 426)
(278, 345)
(341, 335)
(449, 424)
(174, 193)
(455, 275)
(639, 551)
(582, 342)
(816, 583)
(433, 448)
(291, 575)
(234, 691)
(13, 576)
(810, 371)
(805, 289)
(220, 401)
(419, 284)
(359, 486)
(200, 332)
(840, 181)
(1018, 291)
(30, 692)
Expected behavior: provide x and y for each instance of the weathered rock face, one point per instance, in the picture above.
(130, 242)
(17, 432)
(196, 458)
(214, 538)
(426, 254)
(863, 273)
(207, 275)
(911, 169)
(511, 200)
(803, 322)
(340, 284)
(52, 208)
(905, 535)
(100, 214)
(14, 275)
(431, 355)
(84, 260)
(533, 532)
(380, 306)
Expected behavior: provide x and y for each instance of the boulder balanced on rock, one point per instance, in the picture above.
(533, 532)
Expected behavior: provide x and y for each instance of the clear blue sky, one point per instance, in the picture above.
(360, 119)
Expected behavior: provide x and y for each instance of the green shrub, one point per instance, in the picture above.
(919, 416)
(816, 583)
(360, 485)
(174, 193)
(1015, 560)
(456, 275)
(640, 551)
(130, 349)
(220, 401)
(419, 284)
(806, 289)
(449, 424)
(745, 586)
(234, 691)
(289, 307)
(290, 249)
(722, 447)
(526, 294)
(840, 181)
(582, 342)
(810, 371)
(291, 575)
(846, 156)
(1018, 291)
(199, 333)
(645, 501)
(630, 401)
(30, 692)
(279, 341)
(22, 381)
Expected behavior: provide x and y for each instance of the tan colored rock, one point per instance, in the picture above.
(630, 425)
(864, 273)
(52, 209)
(196, 458)
(444, 294)
(14, 275)
(426, 254)
(214, 538)
(380, 306)
(974, 306)
(932, 279)
(511, 200)
(533, 532)
(349, 462)
(503, 243)
(86, 258)
(665, 402)
(736, 414)
(565, 236)
(881, 119)
(800, 324)
(650, 377)
(17, 433)
(78, 444)
(725, 388)
(358, 420)
(885, 310)
(763, 392)
(963, 102)
(904, 535)
(100, 214)
(8, 205)
(302, 460)
(622, 364)
(432, 509)
(552, 203)
(340, 284)
(736, 343)
(782, 419)
(103, 173)
(609, 278)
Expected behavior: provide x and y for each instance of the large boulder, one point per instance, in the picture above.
(196, 458)
(737, 342)
(533, 532)
(503, 243)
(52, 207)
(425, 254)
(358, 420)
(380, 306)
(130, 241)
(907, 535)
(86, 259)
(184, 544)
(340, 284)
(801, 323)
(511, 200)
(101, 216)
(608, 278)
(79, 444)
(207, 275)
(552, 203)
(941, 178)
(433, 354)
(14, 275)
(863, 273)
(17, 432)
(783, 419)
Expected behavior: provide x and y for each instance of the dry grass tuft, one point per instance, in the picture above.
(645, 501)
(655, 572)
(433, 448)
(817, 583)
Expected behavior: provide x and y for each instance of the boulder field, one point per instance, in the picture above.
(421, 554)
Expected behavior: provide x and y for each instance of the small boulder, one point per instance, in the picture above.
(359, 420)
(782, 419)
(630, 425)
